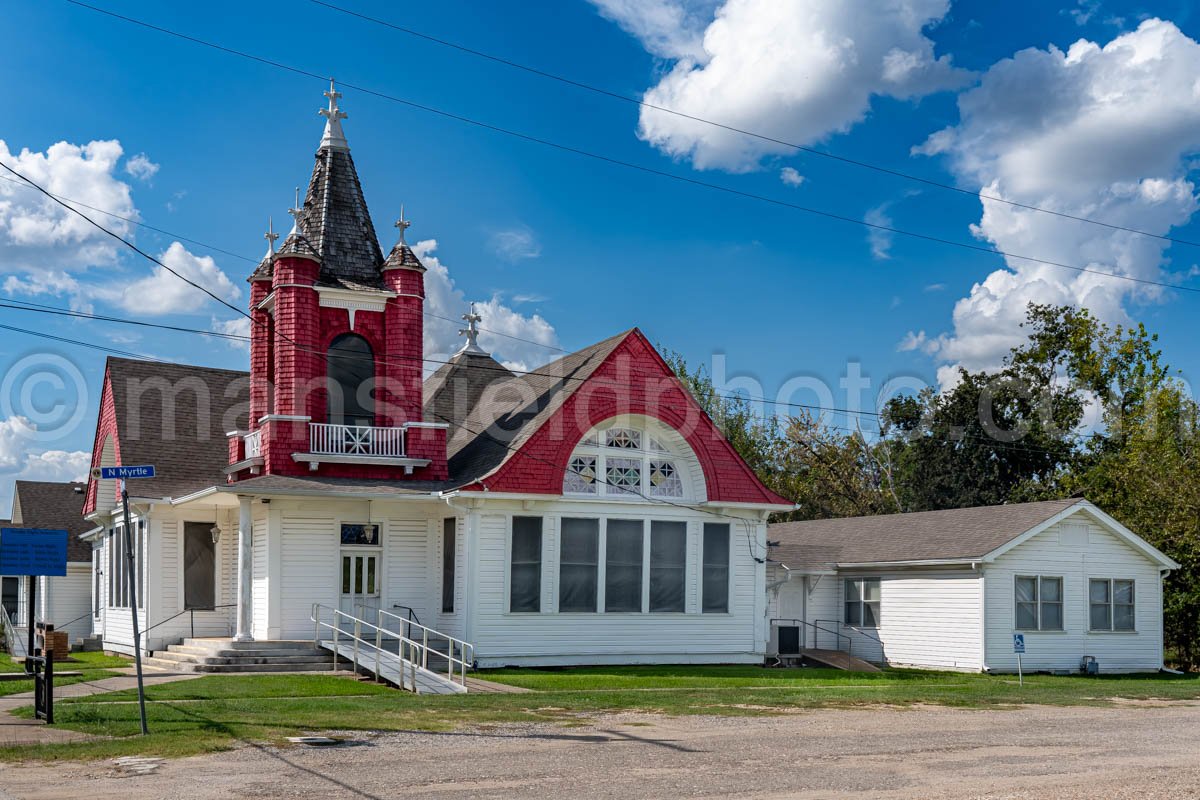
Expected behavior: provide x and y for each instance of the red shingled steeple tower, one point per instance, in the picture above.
(337, 341)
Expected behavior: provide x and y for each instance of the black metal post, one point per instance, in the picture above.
(31, 593)
(48, 688)
(133, 606)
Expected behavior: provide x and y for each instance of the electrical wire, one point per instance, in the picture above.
(639, 167)
(741, 131)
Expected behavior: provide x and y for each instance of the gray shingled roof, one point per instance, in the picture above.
(54, 506)
(953, 534)
(335, 225)
(176, 416)
(513, 409)
(455, 389)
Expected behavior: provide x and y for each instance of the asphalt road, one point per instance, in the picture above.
(1134, 751)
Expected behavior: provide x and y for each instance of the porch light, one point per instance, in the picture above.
(215, 530)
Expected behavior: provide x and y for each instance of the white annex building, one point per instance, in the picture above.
(948, 589)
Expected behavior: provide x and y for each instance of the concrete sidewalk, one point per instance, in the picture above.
(17, 731)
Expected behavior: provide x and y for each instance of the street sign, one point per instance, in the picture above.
(1018, 643)
(123, 473)
(33, 551)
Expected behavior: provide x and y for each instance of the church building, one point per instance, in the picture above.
(585, 512)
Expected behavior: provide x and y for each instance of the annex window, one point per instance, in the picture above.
(199, 566)
(714, 586)
(1039, 603)
(623, 565)
(625, 462)
(350, 378)
(449, 529)
(861, 598)
(578, 564)
(1110, 604)
(525, 565)
(668, 565)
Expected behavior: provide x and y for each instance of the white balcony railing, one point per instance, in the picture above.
(355, 440)
(253, 442)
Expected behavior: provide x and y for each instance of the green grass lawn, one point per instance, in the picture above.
(93, 665)
(216, 712)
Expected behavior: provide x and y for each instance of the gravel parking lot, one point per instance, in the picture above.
(1139, 751)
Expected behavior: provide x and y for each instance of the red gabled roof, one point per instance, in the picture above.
(621, 375)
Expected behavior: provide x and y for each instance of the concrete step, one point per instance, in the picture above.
(188, 658)
(204, 652)
(230, 644)
(166, 665)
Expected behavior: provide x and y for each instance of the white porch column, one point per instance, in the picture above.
(244, 567)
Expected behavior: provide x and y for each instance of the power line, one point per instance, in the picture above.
(741, 131)
(639, 167)
(822, 410)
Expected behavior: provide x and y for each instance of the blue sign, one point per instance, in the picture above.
(1018, 643)
(125, 473)
(32, 551)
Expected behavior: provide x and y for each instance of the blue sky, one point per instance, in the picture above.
(568, 250)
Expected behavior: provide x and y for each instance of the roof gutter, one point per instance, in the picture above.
(933, 562)
(235, 490)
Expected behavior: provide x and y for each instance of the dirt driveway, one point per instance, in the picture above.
(1140, 751)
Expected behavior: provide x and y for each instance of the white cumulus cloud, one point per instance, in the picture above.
(795, 70)
(238, 326)
(790, 176)
(21, 461)
(162, 292)
(37, 234)
(528, 340)
(141, 167)
(878, 238)
(1108, 134)
(666, 28)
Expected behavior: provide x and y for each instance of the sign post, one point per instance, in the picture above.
(124, 474)
(1019, 649)
(34, 552)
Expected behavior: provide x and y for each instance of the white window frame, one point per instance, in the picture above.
(1112, 605)
(862, 602)
(599, 450)
(1039, 602)
(542, 608)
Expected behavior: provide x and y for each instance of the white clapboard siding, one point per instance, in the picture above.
(310, 564)
(597, 638)
(1076, 549)
(408, 555)
(260, 578)
(451, 623)
(69, 600)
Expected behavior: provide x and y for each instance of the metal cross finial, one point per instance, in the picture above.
(472, 333)
(333, 120)
(403, 224)
(295, 211)
(271, 236)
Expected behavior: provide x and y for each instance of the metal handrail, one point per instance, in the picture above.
(816, 626)
(464, 647)
(412, 612)
(417, 652)
(11, 639)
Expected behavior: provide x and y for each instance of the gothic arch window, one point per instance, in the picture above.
(632, 459)
(350, 374)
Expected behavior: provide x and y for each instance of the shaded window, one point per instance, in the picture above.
(525, 565)
(715, 582)
(199, 566)
(578, 564)
(1110, 605)
(8, 596)
(861, 597)
(1039, 603)
(350, 376)
(668, 563)
(623, 565)
(448, 535)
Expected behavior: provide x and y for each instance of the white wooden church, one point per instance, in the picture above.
(584, 512)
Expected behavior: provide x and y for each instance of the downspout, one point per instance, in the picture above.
(977, 566)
